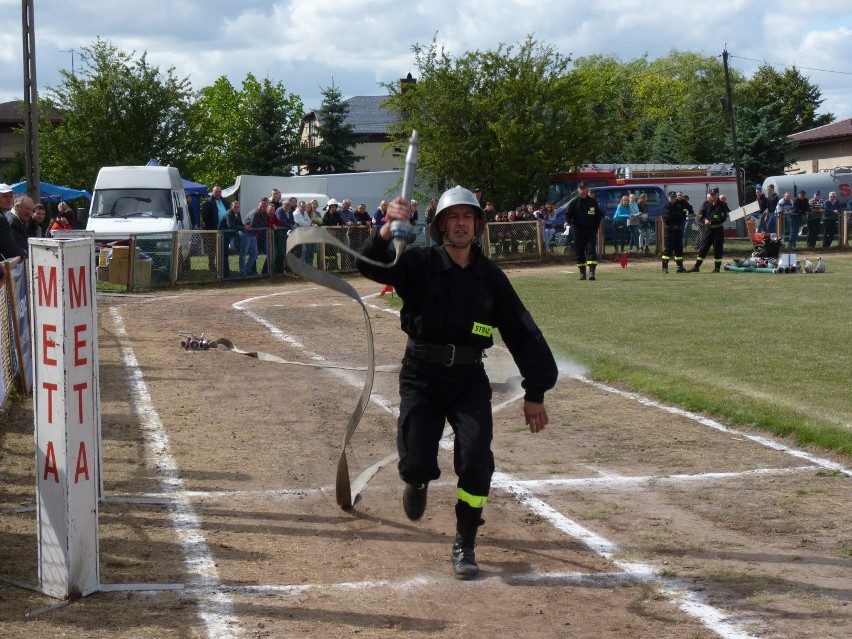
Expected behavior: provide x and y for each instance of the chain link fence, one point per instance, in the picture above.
(513, 241)
(7, 342)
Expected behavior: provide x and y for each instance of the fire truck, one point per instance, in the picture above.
(694, 180)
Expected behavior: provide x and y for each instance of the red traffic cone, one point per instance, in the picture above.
(624, 261)
(386, 289)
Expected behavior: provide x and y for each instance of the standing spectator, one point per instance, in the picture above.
(633, 224)
(762, 212)
(584, 216)
(801, 208)
(362, 218)
(674, 217)
(285, 213)
(35, 225)
(8, 247)
(60, 223)
(230, 226)
(833, 207)
(547, 216)
(415, 214)
(314, 214)
(276, 239)
(433, 205)
(644, 223)
(347, 215)
(214, 209)
(479, 198)
(380, 214)
(713, 216)
(212, 213)
(453, 299)
(302, 219)
(783, 210)
(331, 216)
(817, 205)
(619, 220)
(252, 223)
(18, 218)
(770, 225)
(275, 199)
(490, 212)
(69, 214)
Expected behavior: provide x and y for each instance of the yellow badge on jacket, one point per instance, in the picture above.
(481, 329)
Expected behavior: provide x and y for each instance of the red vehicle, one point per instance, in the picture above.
(692, 179)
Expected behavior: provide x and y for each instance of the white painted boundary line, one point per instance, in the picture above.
(604, 579)
(712, 423)
(348, 377)
(216, 610)
(639, 482)
(689, 602)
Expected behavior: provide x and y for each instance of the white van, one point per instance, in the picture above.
(137, 199)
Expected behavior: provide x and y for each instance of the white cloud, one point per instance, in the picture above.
(358, 43)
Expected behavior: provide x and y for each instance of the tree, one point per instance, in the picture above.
(761, 141)
(502, 120)
(796, 99)
(253, 129)
(337, 137)
(270, 141)
(117, 110)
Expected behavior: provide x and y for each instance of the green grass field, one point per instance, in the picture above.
(763, 350)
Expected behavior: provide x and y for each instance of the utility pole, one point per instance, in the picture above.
(71, 51)
(729, 102)
(30, 102)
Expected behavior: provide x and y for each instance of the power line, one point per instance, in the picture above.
(781, 64)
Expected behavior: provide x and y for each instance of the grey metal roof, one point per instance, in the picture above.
(367, 116)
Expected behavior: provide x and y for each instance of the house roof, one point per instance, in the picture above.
(13, 112)
(841, 129)
(367, 116)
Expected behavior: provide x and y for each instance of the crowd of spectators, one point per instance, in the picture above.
(799, 216)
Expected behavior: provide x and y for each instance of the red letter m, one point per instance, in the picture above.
(77, 290)
(47, 287)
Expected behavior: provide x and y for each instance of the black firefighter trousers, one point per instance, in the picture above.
(430, 395)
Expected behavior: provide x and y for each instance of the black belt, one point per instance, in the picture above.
(446, 354)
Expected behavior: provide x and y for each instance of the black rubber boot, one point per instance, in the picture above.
(680, 268)
(582, 272)
(463, 556)
(695, 268)
(716, 269)
(414, 500)
(592, 271)
(665, 266)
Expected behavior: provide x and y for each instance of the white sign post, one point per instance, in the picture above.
(67, 414)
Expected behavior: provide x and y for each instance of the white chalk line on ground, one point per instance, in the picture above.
(350, 378)
(217, 609)
(712, 423)
(610, 480)
(688, 601)
(598, 579)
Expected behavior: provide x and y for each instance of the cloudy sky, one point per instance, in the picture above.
(307, 44)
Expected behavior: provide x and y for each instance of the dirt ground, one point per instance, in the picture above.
(619, 520)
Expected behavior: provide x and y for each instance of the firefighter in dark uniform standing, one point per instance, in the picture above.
(713, 216)
(453, 299)
(674, 217)
(584, 214)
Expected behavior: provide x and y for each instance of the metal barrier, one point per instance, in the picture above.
(514, 241)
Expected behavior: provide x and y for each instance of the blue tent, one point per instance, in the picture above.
(52, 192)
(191, 188)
